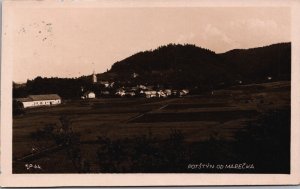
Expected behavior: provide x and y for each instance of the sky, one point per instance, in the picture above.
(71, 42)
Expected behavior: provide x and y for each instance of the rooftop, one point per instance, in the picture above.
(44, 97)
(39, 97)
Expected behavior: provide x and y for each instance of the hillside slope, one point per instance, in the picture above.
(189, 65)
(256, 64)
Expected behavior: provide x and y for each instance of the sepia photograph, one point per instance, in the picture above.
(151, 90)
(98, 89)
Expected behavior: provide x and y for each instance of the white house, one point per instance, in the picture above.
(88, 95)
(134, 75)
(143, 87)
(39, 100)
(130, 93)
(160, 93)
(150, 94)
(168, 92)
(185, 91)
(120, 92)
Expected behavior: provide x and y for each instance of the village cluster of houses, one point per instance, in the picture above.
(148, 92)
(138, 91)
(109, 90)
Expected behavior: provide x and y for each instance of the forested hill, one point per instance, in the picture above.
(192, 65)
(257, 63)
(174, 65)
(165, 58)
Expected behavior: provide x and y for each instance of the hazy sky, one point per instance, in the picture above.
(70, 42)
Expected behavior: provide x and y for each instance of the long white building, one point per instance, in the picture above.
(39, 100)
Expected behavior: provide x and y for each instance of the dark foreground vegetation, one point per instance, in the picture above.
(263, 146)
(261, 143)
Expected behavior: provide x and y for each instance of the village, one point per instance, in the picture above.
(137, 91)
(107, 90)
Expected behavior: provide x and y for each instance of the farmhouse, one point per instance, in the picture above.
(143, 87)
(150, 94)
(134, 75)
(120, 92)
(168, 92)
(130, 93)
(88, 95)
(160, 93)
(39, 100)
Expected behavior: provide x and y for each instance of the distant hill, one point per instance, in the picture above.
(256, 64)
(173, 65)
(189, 65)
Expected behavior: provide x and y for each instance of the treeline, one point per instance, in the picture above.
(64, 87)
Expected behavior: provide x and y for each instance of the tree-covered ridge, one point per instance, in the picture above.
(189, 64)
(258, 63)
(172, 56)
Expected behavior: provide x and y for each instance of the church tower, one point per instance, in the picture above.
(94, 77)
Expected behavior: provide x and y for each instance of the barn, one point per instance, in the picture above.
(39, 100)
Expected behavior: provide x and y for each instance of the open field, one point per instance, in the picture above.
(198, 119)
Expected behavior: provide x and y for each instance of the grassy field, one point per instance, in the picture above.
(114, 126)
